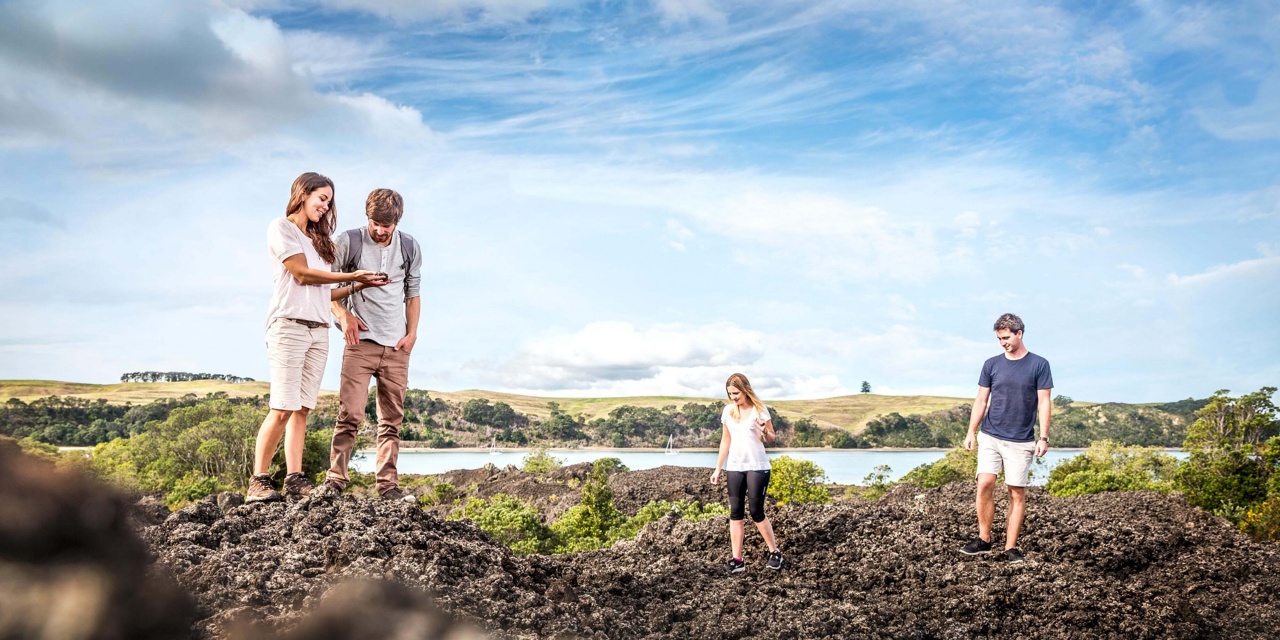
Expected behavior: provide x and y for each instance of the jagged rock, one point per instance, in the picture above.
(71, 565)
(148, 511)
(228, 500)
(1133, 565)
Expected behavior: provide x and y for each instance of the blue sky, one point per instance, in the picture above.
(641, 198)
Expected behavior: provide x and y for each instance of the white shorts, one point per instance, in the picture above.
(297, 356)
(1014, 458)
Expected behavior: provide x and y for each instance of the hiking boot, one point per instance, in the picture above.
(736, 565)
(1013, 556)
(397, 494)
(775, 560)
(297, 485)
(976, 546)
(260, 489)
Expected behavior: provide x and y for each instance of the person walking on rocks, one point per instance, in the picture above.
(381, 328)
(298, 328)
(1013, 394)
(747, 426)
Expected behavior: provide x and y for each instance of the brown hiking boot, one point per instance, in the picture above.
(260, 489)
(297, 485)
(397, 494)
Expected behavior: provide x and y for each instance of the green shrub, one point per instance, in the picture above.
(1262, 520)
(957, 465)
(877, 482)
(510, 521)
(690, 510)
(1108, 466)
(539, 461)
(189, 488)
(799, 481)
(592, 523)
(440, 493)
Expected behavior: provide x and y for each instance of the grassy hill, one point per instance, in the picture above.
(849, 412)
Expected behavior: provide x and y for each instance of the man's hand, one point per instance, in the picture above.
(1042, 447)
(970, 441)
(407, 343)
(351, 327)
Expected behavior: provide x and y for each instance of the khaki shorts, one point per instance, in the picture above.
(297, 355)
(1014, 458)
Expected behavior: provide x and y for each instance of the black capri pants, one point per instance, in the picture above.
(751, 485)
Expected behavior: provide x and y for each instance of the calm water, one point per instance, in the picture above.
(843, 467)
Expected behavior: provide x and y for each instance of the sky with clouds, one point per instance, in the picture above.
(624, 198)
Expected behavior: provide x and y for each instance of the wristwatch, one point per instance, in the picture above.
(1046, 440)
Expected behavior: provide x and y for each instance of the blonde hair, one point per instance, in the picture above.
(740, 381)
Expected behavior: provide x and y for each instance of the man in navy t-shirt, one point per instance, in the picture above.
(1013, 394)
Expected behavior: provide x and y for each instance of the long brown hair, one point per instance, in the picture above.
(740, 381)
(319, 232)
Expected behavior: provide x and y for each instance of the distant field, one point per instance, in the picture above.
(135, 392)
(850, 412)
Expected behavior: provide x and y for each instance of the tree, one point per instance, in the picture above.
(866, 387)
(1234, 451)
(593, 523)
(1062, 402)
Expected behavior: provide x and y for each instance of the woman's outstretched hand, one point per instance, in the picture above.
(715, 477)
(371, 278)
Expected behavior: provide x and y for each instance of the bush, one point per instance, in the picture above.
(877, 482)
(957, 465)
(1262, 520)
(798, 481)
(592, 524)
(690, 510)
(510, 521)
(1108, 466)
(190, 488)
(539, 461)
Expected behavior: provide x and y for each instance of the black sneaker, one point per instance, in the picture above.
(260, 490)
(736, 566)
(297, 484)
(976, 546)
(775, 560)
(1013, 556)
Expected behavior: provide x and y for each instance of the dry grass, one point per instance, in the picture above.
(849, 412)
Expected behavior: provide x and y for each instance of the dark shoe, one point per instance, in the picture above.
(260, 490)
(397, 494)
(736, 566)
(297, 485)
(775, 560)
(976, 546)
(1013, 556)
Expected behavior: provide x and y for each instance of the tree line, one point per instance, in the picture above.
(178, 376)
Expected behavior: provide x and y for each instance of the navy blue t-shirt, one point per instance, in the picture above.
(1011, 412)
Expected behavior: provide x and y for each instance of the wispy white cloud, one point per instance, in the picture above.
(1244, 269)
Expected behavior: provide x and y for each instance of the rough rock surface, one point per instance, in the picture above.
(71, 565)
(1133, 565)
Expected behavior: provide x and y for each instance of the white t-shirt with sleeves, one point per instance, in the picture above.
(746, 451)
(290, 299)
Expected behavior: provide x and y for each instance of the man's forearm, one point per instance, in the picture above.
(412, 309)
(1046, 416)
(975, 416)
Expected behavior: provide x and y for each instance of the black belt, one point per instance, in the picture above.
(310, 324)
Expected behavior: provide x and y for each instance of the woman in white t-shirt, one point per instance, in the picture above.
(298, 327)
(747, 426)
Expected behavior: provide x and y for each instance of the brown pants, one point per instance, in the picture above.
(361, 361)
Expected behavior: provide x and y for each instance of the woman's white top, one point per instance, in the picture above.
(290, 299)
(746, 451)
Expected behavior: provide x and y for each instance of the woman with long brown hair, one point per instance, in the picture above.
(298, 327)
(747, 427)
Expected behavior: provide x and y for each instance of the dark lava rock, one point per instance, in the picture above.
(228, 500)
(149, 510)
(71, 565)
(1122, 565)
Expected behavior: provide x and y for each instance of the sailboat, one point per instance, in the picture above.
(671, 451)
(493, 446)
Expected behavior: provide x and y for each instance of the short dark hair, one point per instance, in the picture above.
(384, 206)
(1010, 322)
